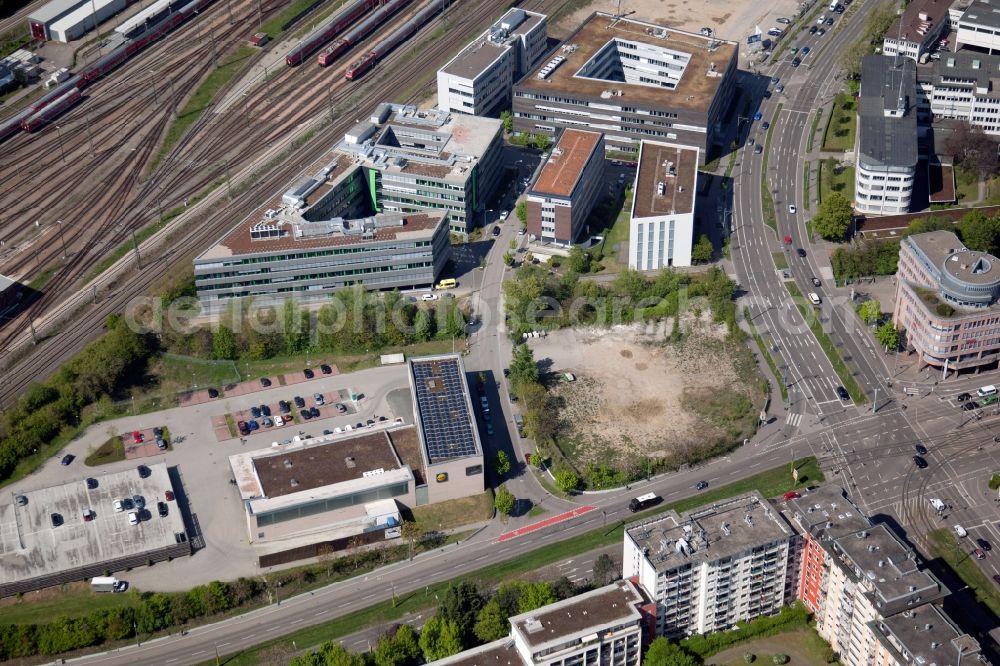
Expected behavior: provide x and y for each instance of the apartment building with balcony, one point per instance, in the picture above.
(946, 302)
(712, 567)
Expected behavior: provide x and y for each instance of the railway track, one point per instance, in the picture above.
(65, 340)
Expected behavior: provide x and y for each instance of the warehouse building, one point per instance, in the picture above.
(71, 532)
(66, 20)
(631, 80)
(712, 567)
(478, 80)
(886, 144)
(661, 229)
(567, 188)
(604, 626)
(947, 302)
(917, 30)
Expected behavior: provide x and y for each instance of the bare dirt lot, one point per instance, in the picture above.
(636, 396)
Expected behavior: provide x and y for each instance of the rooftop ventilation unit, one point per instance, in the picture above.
(749, 519)
(550, 67)
(725, 529)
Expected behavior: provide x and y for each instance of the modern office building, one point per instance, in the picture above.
(419, 159)
(661, 229)
(966, 86)
(979, 26)
(886, 144)
(946, 302)
(479, 79)
(631, 80)
(712, 567)
(284, 255)
(918, 29)
(567, 187)
(606, 626)
(451, 452)
(872, 599)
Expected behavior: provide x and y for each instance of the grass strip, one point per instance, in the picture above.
(843, 372)
(770, 483)
(767, 355)
(200, 100)
(731, 165)
(840, 126)
(780, 261)
(38, 282)
(812, 131)
(962, 563)
(108, 452)
(767, 201)
(805, 185)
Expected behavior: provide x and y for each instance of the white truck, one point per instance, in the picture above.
(104, 584)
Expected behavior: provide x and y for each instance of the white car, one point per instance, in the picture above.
(960, 531)
(937, 504)
(504, 214)
(118, 506)
(791, 209)
(278, 421)
(429, 297)
(821, 20)
(133, 518)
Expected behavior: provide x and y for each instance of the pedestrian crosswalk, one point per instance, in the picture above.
(793, 420)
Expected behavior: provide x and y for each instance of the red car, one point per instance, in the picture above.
(137, 437)
(169, 495)
(790, 495)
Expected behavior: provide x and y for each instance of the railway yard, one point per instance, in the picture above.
(56, 221)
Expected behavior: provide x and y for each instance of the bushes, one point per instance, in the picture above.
(790, 617)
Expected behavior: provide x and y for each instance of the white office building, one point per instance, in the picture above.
(917, 30)
(479, 80)
(965, 86)
(979, 26)
(662, 226)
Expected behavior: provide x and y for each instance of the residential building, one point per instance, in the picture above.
(567, 187)
(965, 86)
(419, 159)
(661, 229)
(712, 567)
(283, 255)
(450, 450)
(603, 626)
(631, 80)
(979, 26)
(872, 599)
(946, 302)
(918, 29)
(886, 144)
(479, 79)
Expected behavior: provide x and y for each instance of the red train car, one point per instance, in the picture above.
(340, 22)
(37, 121)
(362, 65)
(331, 53)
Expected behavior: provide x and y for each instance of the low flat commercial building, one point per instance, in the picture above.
(479, 79)
(451, 451)
(631, 80)
(886, 144)
(979, 26)
(70, 532)
(917, 30)
(567, 187)
(712, 567)
(661, 230)
(66, 20)
(946, 302)
(604, 626)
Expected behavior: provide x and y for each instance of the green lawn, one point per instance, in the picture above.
(770, 483)
(841, 126)
(183, 372)
(73, 600)
(964, 565)
(805, 184)
(843, 372)
(804, 647)
(765, 194)
(780, 260)
(966, 184)
(454, 513)
(616, 237)
(841, 180)
(812, 130)
(108, 452)
(344, 362)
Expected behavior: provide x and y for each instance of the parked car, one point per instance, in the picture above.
(970, 406)
(820, 32)
(796, 62)
(962, 397)
(341, 409)
(919, 462)
(305, 414)
(253, 425)
(278, 421)
(765, 125)
(828, 21)
(758, 115)
(790, 495)
(774, 79)
(20, 500)
(309, 374)
(489, 428)
(980, 555)
(284, 407)
(161, 444)
(318, 399)
(843, 394)
(56, 519)
(805, 50)
(996, 578)
(780, 88)
(139, 501)
(137, 437)
(920, 449)
(89, 515)
(265, 382)
(133, 518)
(266, 422)
(265, 410)
(299, 402)
(758, 149)
(127, 504)
(504, 214)
(118, 506)
(161, 508)
(255, 412)
(242, 427)
(143, 471)
(325, 369)
(212, 393)
(496, 231)
(66, 459)
(314, 412)
(812, 30)
(169, 496)
(984, 544)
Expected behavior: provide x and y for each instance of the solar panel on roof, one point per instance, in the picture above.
(444, 416)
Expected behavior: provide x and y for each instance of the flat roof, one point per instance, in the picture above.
(678, 189)
(940, 183)
(909, 25)
(79, 15)
(884, 226)
(827, 513)
(475, 58)
(565, 164)
(443, 408)
(887, 82)
(6, 283)
(709, 533)
(31, 547)
(286, 472)
(927, 635)
(982, 12)
(947, 253)
(500, 652)
(889, 565)
(583, 614)
(51, 10)
(695, 90)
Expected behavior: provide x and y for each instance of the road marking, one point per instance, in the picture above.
(320, 612)
(793, 420)
(295, 621)
(222, 644)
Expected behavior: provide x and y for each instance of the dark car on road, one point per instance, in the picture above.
(701, 485)
(816, 282)
(758, 149)
(984, 544)
(496, 231)
(970, 406)
(812, 30)
(919, 462)
(996, 578)
(161, 508)
(66, 459)
(91, 483)
(962, 397)
(796, 62)
(843, 394)
(143, 471)
(921, 449)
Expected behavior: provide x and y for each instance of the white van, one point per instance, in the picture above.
(984, 391)
(814, 298)
(937, 504)
(960, 531)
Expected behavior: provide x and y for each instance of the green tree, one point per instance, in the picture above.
(566, 480)
(922, 225)
(870, 311)
(399, 649)
(491, 623)
(223, 344)
(440, 638)
(834, 217)
(504, 501)
(461, 604)
(701, 253)
(521, 210)
(508, 258)
(887, 336)
(579, 260)
(501, 463)
(423, 326)
(604, 570)
(535, 595)
(335, 654)
(294, 330)
(664, 653)
(507, 120)
(980, 232)
(523, 369)
(542, 141)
